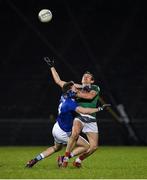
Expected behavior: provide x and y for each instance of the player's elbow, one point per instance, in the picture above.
(59, 83)
(93, 148)
(81, 110)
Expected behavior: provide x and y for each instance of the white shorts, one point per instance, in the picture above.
(88, 127)
(60, 136)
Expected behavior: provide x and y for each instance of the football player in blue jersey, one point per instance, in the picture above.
(88, 96)
(63, 126)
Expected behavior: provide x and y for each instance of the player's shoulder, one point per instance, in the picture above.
(95, 87)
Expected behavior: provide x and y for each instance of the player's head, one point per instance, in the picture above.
(69, 89)
(87, 78)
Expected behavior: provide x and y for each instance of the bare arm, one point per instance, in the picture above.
(56, 77)
(86, 95)
(82, 110)
(78, 86)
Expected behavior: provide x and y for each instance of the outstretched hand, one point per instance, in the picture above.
(49, 61)
(104, 106)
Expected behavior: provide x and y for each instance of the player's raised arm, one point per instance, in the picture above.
(78, 86)
(55, 75)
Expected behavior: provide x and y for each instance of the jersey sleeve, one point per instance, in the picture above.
(72, 105)
(96, 88)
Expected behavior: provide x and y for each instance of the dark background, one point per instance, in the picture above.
(105, 37)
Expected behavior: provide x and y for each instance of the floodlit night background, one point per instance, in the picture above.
(107, 38)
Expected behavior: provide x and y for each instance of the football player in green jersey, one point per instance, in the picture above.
(88, 97)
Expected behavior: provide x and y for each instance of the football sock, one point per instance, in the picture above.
(82, 157)
(78, 160)
(65, 159)
(71, 155)
(67, 154)
(39, 157)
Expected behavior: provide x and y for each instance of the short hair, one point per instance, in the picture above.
(67, 86)
(87, 72)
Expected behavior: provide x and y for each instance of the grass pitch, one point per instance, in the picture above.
(105, 163)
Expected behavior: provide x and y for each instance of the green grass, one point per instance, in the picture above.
(105, 163)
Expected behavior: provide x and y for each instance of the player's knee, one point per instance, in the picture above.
(87, 147)
(93, 148)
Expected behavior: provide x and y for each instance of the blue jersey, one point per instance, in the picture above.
(66, 111)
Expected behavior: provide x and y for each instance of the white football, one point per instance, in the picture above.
(45, 15)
